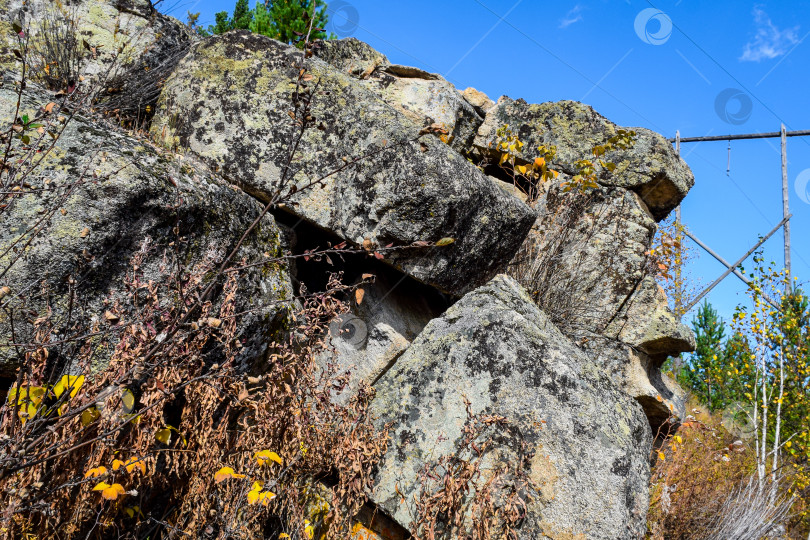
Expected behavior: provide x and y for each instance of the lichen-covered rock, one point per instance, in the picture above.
(651, 167)
(228, 103)
(351, 56)
(585, 254)
(127, 36)
(118, 196)
(424, 97)
(646, 323)
(494, 347)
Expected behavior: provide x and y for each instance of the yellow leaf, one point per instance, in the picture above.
(117, 464)
(283, 535)
(26, 393)
(678, 439)
(445, 241)
(521, 169)
(266, 455)
(661, 456)
(109, 492)
(68, 382)
(539, 162)
(89, 416)
(163, 435)
(257, 495)
(309, 530)
(127, 401)
(225, 473)
(96, 472)
(135, 463)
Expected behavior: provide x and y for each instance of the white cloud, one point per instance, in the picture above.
(769, 41)
(571, 17)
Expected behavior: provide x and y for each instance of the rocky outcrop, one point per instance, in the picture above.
(646, 323)
(228, 103)
(426, 98)
(577, 377)
(122, 36)
(651, 167)
(589, 442)
(119, 197)
(639, 376)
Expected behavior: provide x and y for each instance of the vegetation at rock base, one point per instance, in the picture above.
(284, 20)
(173, 400)
(147, 418)
(753, 373)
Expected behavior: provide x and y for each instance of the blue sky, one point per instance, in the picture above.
(704, 68)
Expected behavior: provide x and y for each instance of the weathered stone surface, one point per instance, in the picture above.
(126, 197)
(640, 377)
(370, 338)
(497, 349)
(425, 98)
(146, 36)
(227, 103)
(479, 100)
(586, 254)
(352, 56)
(651, 167)
(646, 323)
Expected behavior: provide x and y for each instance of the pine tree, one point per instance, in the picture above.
(706, 363)
(242, 15)
(284, 20)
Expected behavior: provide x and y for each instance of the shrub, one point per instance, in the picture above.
(704, 485)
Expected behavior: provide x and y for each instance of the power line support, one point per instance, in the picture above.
(786, 212)
(725, 263)
(736, 264)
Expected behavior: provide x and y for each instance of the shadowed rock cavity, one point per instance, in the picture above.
(227, 103)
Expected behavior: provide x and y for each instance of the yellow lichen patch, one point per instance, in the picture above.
(544, 474)
(552, 532)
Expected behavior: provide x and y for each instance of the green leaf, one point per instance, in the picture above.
(445, 241)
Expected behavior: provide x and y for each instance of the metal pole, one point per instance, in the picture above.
(736, 264)
(725, 263)
(678, 298)
(771, 135)
(786, 211)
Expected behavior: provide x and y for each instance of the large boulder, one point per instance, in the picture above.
(424, 97)
(121, 49)
(100, 197)
(650, 167)
(228, 103)
(588, 442)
